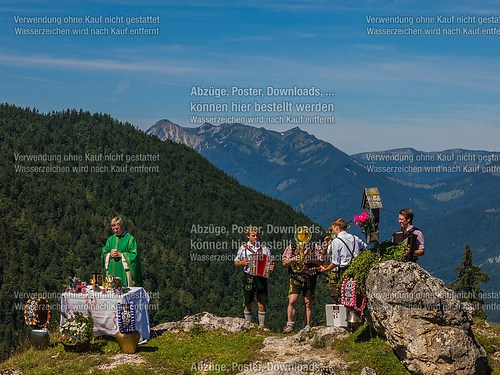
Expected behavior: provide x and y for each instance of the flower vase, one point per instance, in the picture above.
(128, 341)
(77, 348)
(40, 338)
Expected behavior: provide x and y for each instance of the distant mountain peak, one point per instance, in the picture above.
(206, 127)
(166, 121)
(166, 129)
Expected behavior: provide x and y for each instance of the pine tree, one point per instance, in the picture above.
(466, 284)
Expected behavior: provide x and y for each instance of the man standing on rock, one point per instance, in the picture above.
(410, 235)
(254, 284)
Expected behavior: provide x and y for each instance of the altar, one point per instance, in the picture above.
(103, 307)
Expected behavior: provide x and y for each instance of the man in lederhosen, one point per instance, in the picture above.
(253, 285)
(301, 259)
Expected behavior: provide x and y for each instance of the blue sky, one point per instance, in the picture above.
(428, 92)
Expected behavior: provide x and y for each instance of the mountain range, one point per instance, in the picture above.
(312, 175)
(453, 205)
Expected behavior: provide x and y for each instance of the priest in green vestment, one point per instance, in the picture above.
(120, 257)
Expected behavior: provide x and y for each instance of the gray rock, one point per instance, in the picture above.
(324, 336)
(204, 320)
(427, 326)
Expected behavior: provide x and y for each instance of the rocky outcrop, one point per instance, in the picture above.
(428, 328)
(204, 320)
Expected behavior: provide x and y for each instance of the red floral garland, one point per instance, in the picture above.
(32, 314)
(352, 303)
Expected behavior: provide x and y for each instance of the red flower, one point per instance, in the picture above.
(365, 221)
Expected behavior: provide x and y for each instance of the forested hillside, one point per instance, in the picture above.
(57, 197)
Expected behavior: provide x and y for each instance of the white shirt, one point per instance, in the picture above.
(339, 254)
(248, 250)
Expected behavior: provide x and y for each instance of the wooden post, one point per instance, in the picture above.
(372, 203)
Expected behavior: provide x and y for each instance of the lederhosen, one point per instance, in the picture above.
(335, 277)
(302, 282)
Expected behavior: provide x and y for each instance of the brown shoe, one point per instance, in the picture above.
(288, 329)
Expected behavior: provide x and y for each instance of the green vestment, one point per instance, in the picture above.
(128, 247)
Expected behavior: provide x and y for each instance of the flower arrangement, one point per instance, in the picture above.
(72, 284)
(365, 221)
(77, 329)
(349, 285)
(37, 313)
(116, 282)
(126, 317)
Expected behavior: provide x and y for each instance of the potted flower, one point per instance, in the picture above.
(77, 332)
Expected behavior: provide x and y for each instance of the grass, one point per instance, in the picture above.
(182, 353)
(219, 352)
(489, 338)
(364, 348)
(56, 361)
(209, 350)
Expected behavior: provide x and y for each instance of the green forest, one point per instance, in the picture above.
(57, 198)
